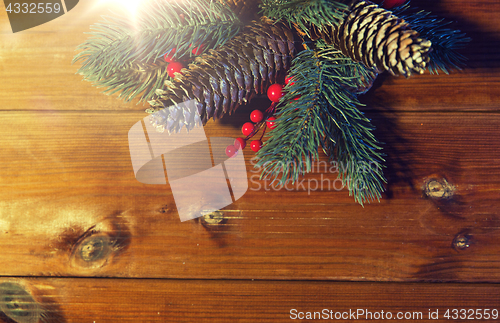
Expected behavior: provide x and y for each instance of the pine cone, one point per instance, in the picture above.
(223, 79)
(380, 40)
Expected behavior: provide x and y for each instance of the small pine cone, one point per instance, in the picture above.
(221, 80)
(381, 40)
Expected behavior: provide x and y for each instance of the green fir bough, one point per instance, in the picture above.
(125, 54)
(343, 45)
(326, 115)
(307, 15)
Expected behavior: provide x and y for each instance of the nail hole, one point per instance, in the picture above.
(163, 209)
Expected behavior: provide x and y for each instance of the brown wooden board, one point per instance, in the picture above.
(70, 205)
(71, 172)
(37, 73)
(124, 300)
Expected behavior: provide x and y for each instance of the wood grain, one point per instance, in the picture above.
(71, 207)
(55, 190)
(124, 300)
(37, 73)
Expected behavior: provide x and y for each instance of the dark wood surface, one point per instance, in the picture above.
(164, 300)
(67, 180)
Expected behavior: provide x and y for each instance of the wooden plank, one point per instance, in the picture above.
(70, 205)
(37, 73)
(36, 68)
(68, 178)
(124, 300)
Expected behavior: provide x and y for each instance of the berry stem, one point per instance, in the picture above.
(263, 133)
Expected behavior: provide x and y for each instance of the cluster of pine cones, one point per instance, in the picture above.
(223, 79)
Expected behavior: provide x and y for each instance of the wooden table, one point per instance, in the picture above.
(431, 244)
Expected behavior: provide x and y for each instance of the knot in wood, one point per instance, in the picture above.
(93, 251)
(213, 218)
(18, 304)
(461, 241)
(439, 189)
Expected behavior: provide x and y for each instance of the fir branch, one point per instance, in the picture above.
(305, 14)
(326, 116)
(445, 41)
(124, 54)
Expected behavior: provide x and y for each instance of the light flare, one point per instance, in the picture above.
(128, 5)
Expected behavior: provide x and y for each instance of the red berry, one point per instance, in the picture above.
(288, 79)
(168, 56)
(256, 145)
(174, 67)
(240, 143)
(198, 50)
(256, 116)
(231, 151)
(271, 124)
(297, 97)
(247, 128)
(388, 4)
(275, 92)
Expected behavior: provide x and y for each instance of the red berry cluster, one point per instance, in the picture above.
(249, 129)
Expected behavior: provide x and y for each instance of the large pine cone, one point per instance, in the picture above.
(223, 79)
(380, 40)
